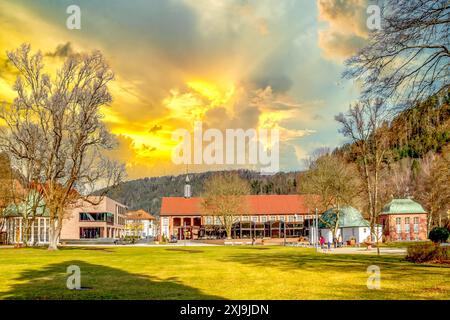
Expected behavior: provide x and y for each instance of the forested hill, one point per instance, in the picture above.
(416, 131)
(147, 193)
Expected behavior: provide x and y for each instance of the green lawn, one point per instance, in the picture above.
(214, 273)
(403, 244)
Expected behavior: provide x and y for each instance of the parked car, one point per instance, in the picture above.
(123, 241)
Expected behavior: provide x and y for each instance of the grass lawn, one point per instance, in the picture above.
(403, 244)
(213, 273)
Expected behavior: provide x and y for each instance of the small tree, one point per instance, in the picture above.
(224, 197)
(6, 188)
(365, 125)
(331, 182)
(433, 187)
(439, 235)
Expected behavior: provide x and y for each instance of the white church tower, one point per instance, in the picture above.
(187, 188)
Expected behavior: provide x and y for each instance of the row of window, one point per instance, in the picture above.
(101, 217)
(261, 219)
(407, 230)
(37, 233)
(407, 220)
(120, 209)
(97, 216)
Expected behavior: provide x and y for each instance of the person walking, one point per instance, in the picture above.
(340, 241)
(322, 241)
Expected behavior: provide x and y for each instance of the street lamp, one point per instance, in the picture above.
(317, 230)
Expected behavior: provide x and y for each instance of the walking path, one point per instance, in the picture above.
(178, 244)
(356, 250)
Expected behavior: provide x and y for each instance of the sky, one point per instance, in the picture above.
(227, 63)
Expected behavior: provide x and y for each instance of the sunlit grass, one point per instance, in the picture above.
(214, 273)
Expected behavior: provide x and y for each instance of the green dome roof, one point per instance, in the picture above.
(398, 206)
(348, 217)
(26, 207)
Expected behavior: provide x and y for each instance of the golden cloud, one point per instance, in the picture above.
(346, 30)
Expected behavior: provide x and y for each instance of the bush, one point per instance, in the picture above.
(438, 235)
(428, 253)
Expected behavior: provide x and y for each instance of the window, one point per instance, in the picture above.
(407, 220)
(218, 221)
(36, 230)
(416, 226)
(281, 218)
(398, 222)
(263, 219)
(245, 218)
(90, 233)
(291, 218)
(208, 220)
(407, 229)
(255, 219)
(97, 216)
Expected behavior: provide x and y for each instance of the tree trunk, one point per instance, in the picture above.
(228, 231)
(54, 233)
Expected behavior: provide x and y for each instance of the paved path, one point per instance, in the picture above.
(178, 244)
(356, 250)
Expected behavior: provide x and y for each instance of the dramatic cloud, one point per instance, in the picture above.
(346, 29)
(228, 63)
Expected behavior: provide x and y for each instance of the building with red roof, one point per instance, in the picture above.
(266, 216)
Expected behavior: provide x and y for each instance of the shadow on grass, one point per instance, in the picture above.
(101, 281)
(349, 272)
(326, 263)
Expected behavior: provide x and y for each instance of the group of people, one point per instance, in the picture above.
(337, 242)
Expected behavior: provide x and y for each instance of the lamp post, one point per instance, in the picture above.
(317, 230)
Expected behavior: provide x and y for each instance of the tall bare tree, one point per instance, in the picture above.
(331, 182)
(54, 132)
(365, 125)
(6, 188)
(433, 187)
(224, 197)
(408, 59)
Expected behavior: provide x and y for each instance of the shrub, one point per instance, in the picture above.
(438, 235)
(428, 253)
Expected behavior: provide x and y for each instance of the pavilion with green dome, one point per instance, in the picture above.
(32, 210)
(404, 220)
(351, 225)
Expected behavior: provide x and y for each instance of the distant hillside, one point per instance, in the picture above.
(416, 131)
(146, 193)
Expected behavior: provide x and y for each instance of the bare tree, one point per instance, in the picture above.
(224, 197)
(408, 59)
(330, 182)
(433, 187)
(54, 133)
(6, 188)
(365, 125)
